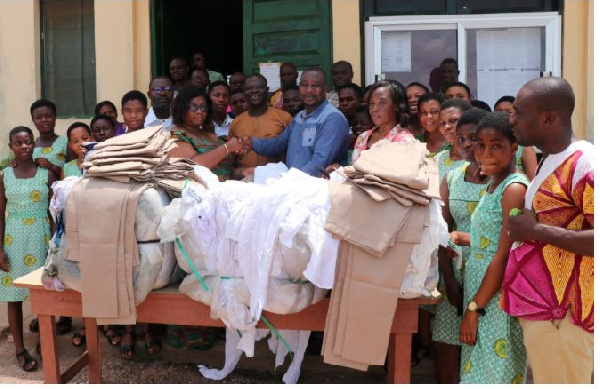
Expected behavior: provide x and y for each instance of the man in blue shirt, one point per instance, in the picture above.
(318, 135)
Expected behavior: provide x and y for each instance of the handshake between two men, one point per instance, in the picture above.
(240, 145)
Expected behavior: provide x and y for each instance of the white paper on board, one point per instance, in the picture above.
(507, 58)
(270, 70)
(396, 51)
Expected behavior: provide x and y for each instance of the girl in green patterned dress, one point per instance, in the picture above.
(460, 190)
(428, 106)
(77, 134)
(51, 150)
(450, 112)
(24, 195)
(494, 351)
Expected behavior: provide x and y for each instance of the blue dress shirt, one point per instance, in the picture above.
(313, 140)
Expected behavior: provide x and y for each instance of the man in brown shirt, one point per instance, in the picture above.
(259, 121)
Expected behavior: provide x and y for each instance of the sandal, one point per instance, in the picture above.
(64, 325)
(128, 350)
(29, 364)
(78, 339)
(153, 346)
(34, 325)
(113, 338)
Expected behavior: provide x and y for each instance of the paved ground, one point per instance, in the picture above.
(179, 366)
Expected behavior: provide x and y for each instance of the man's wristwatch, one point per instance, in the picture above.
(473, 307)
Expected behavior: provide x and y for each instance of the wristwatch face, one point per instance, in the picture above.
(472, 306)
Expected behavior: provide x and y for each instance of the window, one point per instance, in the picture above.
(68, 56)
(496, 53)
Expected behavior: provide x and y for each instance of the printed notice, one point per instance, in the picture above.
(270, 70)
(396, 51)
(506, 59)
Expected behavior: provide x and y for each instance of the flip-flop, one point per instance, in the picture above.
(29, 364)
(153, 346)
(128, 350)
(80, 339)
(113, 339)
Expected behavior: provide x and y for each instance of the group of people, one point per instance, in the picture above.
(523, 288)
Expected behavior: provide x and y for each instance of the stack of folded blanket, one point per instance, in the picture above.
(377, 173)
(141, 156)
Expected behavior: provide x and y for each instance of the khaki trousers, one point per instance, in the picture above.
(558, 351)
(364, 297)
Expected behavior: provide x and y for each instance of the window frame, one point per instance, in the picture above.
(373, 28)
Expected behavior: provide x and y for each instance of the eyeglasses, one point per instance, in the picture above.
(194, 107)
(161, 88)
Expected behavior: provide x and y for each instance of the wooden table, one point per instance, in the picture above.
(168, 306)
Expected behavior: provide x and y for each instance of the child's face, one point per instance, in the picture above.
(362, 122)
(448, 120)
(78, 136)
(102, 130)
(108, 110)
(134, 114)
(466, 141)
(238, 103)
(22, 145)
(493, 151)
(44, 119)
(429, 115)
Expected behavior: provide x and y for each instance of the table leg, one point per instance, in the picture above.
(94, 352)
(399, 358)
(49, 352)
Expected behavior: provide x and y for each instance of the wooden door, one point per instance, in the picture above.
(297, 31)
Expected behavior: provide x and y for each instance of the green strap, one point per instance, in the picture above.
(189, 261)
(205, 287)
(264, 319)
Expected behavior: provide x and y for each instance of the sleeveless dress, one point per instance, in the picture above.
(56, 154)
(499, 355)
(27, 229)
(224, 169)
(446, 164)
(463, 198)
(431, 308)
(71, 169)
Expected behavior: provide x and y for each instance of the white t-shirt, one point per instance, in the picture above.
(223, 129)
(151, 120)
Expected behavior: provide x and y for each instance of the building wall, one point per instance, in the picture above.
(19, 64)
(578, 61)
(345, 27)
(122, 34)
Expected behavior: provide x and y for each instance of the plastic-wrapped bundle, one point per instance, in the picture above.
(284, 296)
(422, 274)
(157, 260)
(251, 244)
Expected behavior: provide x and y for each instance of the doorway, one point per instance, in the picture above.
(180, 27)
